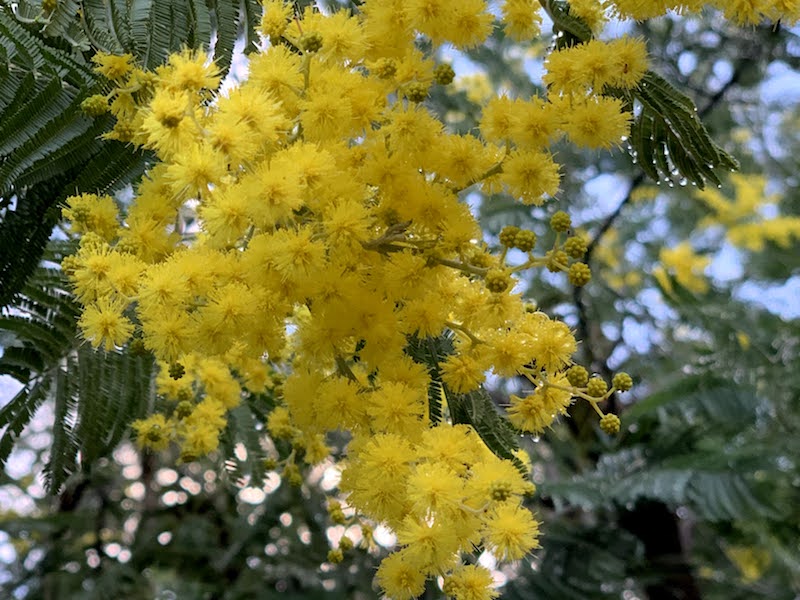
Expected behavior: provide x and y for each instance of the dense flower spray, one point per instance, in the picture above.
(298, 229)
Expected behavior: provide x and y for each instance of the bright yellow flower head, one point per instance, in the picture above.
(511, 531)
(103, 323)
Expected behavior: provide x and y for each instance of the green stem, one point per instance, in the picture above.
(467, 268)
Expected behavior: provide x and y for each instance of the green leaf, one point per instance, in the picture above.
(714, 493)
(62, 461)
(701, 398)
(17, 414)
(431, 352)
(670, 140)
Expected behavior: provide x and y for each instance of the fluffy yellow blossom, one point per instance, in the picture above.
(537, 411)
(511, 531)
(470, 582)
(400, 577)
(530, 175)
(598, 123)
(304, 234)
(521, 19)
(154, 432)
(112, 66)
(103, 323)
(89, 212)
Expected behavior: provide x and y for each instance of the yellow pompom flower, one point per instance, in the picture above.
(521, 19)
(598, 123)
(464, 372)
(537, 411)
(275, 18)
(198, 439)
(279, 424)
(500, 120)
(435, 489)
(530, 175)
(510, 531)
(630, 61)
(112, 66)
(103, 323)
(452, 446)
(470, 582)
(492, 479)
(89, 212)
(154, 432)
(400, 578)
(431, 546)
(189, 70)
(397, 408)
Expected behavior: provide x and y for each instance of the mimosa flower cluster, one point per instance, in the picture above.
(299, 228)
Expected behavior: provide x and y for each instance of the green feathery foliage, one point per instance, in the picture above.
(668, 138)
(96, 395)
(431, 352)
(49, 148)
(680, 452)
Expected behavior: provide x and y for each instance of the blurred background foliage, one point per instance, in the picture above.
(697, 498)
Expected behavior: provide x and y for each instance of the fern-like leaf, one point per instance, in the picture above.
(669, 139)
(431, 352)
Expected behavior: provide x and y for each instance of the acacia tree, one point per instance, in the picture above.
(299, 260)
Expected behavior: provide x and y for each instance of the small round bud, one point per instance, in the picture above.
(416, 91)
(525, 240)
(269, 464)
(184, 409)
(385, 68)
(498, 280)
(311, 42)
(176, 370)
(575, 246)
(482, 259)
(335, 556)
(596, 387)
(123, 131)
(345, 544)
(622, 381)
(556, 260)
(560, 222)
(450, 587)
(443, 74)
(49, 6)
(579, 274)
(154, 434)
(508, 235)
(94, 106)
(577, 376)
(70, 264)
(610, 424)
(500, 491)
